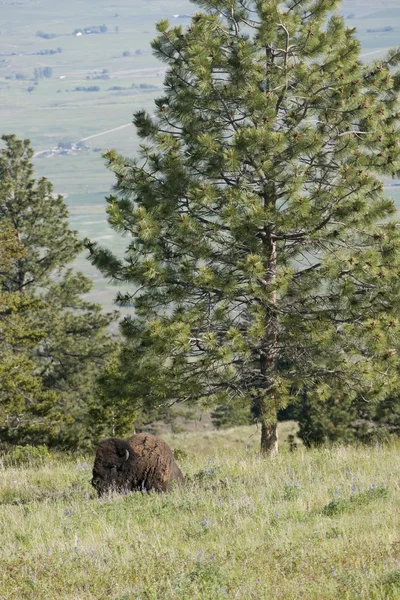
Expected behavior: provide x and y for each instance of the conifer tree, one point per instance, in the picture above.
(39, 218)
(231, 415)
(20, 385)
(263, 255)
(75, 342)
(327, 419)
(344, 419)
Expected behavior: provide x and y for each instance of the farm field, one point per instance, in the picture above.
(313, 524)
(123, 76)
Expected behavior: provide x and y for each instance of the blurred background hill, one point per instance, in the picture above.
(73, 73)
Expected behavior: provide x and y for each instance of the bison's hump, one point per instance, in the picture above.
(147, 446)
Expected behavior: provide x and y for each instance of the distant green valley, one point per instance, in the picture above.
(71, 71)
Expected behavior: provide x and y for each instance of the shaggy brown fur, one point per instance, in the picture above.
(143, 461)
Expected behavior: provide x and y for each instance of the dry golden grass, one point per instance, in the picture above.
(314, 524)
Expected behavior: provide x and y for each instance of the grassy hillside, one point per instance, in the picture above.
(317, 524)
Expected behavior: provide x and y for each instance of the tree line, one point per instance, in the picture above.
(263, 252)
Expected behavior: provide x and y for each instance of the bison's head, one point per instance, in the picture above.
(109, 469)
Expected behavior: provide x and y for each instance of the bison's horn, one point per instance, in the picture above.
(126, 454)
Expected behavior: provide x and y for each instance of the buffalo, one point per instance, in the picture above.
(142, 462)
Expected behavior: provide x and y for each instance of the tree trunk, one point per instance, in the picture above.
(269, 438)
(21, 272)
(270, 351)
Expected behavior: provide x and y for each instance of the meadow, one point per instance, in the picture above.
(313, 524)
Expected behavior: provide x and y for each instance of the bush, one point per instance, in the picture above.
(40, 73)
(45, 36)
(232, 414)
(90, 88)
(26, 455)
(325, 421)
(343, 419)
(391, 581)
(380, 29)
(91, 30)
(339, 506)
(180, 454)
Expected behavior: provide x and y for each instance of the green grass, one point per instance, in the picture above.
(244, 527)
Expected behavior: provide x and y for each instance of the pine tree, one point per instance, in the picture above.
(75, 342)
(39, 218)
(119, 409)
(344, 419)
(263, 254)
(19, 384)
(385, 418)
(231, 415)
(327, 420)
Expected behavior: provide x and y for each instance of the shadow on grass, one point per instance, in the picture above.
(339, 506)
(15, 498)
